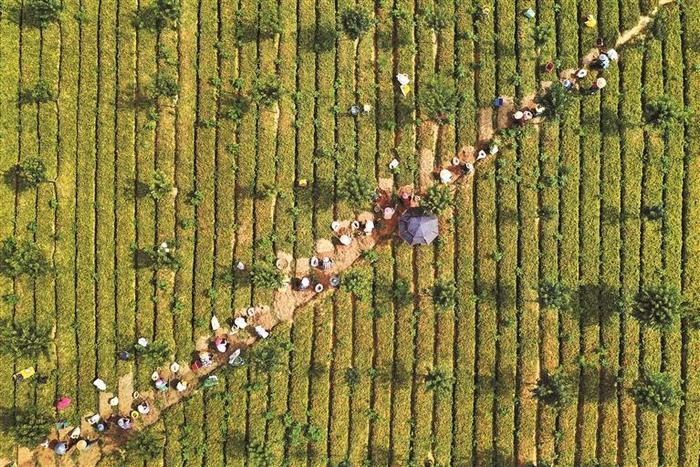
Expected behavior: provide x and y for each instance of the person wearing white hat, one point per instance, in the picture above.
(388, 213)
(345, 240)
(445, 176)
(518, 116)
(599, 84)
(482, 155)
(304, 283)
(369, 227)
(394, 164)
(612, 54)
(582, 73)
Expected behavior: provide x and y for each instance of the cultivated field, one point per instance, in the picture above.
(226, 132)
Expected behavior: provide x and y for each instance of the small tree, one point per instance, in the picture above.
(556, 100)
(164, 85)
(269, 24)
(355, 22)
(553, 389)
(444, 294)
(554, 295)
(267, 356)
(157, 258)
(155, 353)
(29, 173)
(22, 258)
(541, 34)
(656, 393)
(658, 306)
(41, 13)
(159, 186)
(437, 19)
(266, 276)
(358, 191)
(352, 378)
(158, 15)
(438, 380)
(40, 93)
(665, 111)
(267, 90)
(440, 99)
(144, 446)
(437, 199)
(24, 338)
(358, 282)
(27, 426)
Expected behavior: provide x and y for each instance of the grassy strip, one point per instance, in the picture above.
(672, 167)
(104, 194)
(443, 348)
(9, 73)
(486, 266)
(589, 247)
(607, 438)
(507, 245)
(463, 396)
(528, 260)
(689, 442)
(569, 331)
(384, 316)
(651, 260)
(632, 147)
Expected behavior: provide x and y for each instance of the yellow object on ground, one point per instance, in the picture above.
(591, 22)
(25, 374)
(405, 89)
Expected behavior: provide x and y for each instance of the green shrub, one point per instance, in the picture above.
(358, 191)
(41, 13)
(656, 393)
(554, 295)
(444, 294)
(358, 282)
(144, 446)
(658, 307)
(553, 389)
(22, 258)
(157, 258)
(164, 86)
(352, 378)
(159, 186)
(40, 93)
(355, 22)
(24, 338)
(557, 100)
(665, 111)
(267, 356)
(269, 25)
(195, 198)
(27, 426)
(155, 353)
(267, 90)
(438, 380)
(439, 99)
(158, 15)
(28, 173)
(437, 19)
(266, 276)
(437, 199)
(401, 292)
(541, 34)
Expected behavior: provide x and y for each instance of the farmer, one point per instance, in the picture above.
(599, 84)
(205, 358)
(60, 448)
(304, 283)
(221, 344)
(518, 117)
(143, 408)
(123, 355)
(124, 423)
(603, 61)
(181, 386)
(160, 384)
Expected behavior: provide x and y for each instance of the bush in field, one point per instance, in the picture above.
(541, 34)
(401, 292)
(357, 190)
(158, 15)
(159, 186)
(267, 356)
(665, 111)
(22, 258)
(41, 13)
(267, 90)
(27, 426)
(554, 295)
(355, 22)
(437, 19)
(553, 389)
(269, 24)
(297, 433)
(164, 86)
(24, 338)
(444, 294)
(438, 380)
(155, 353)
(440, 99)
(266, 276)
(658, 306)
(358, 282)
(656, 393)
(352, 378)
(157, 258)
(28, 173)
(437, 199)
(40, 93)
(557, 100)
(144, 446)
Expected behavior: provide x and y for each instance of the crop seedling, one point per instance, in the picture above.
(554, 295)
(437, 19)
(352, 378)
(164, 86)
(269, 24)
(665, 111)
